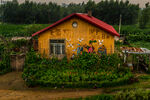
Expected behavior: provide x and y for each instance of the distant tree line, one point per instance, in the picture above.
(145, 16)
(31, 12)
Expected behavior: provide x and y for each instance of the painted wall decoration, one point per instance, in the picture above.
(91, 48)
(68, 40)
(80, 40)
(70, 45)
(102, 50)
(92, 41)
(74, 50)
(87, 48)
(79, 49)
(73, 55)
(100, 42)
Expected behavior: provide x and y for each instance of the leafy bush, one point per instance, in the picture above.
(134, 94)
(132, 29)
(86, 70)
(30, 29)
(85, 61)
(19, 43)
(97, 97)
(137, 94)
(138, 37)
(144, 77)
(88, 61)
(134, 34)
(5, 64)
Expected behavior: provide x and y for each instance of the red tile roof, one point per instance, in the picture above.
(92, 20)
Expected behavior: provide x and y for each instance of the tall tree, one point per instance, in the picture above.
(145, 17)
(108, 11)
(90, 6)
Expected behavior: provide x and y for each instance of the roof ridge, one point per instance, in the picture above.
(84, 16)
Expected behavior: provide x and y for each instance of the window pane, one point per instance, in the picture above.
(52, 48)
(55, 48)
(58, 49)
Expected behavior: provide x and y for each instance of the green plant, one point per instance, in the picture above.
(97, 97)
(85, 61)
(19, 43)
(5, 64)
(85, 71)
(135, 94)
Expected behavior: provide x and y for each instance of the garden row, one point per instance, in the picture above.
(84, 71)
(134, 94)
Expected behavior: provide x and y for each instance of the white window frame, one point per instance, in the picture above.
(54, 47)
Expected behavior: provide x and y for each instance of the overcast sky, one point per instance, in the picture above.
(141, 2)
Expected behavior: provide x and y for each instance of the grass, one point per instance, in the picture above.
(10, 30)
(141, 44)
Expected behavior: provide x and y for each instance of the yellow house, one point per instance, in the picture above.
(74, 34)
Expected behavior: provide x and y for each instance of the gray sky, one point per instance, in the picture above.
(141, 2)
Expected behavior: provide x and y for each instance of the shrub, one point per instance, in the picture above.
(137, 94)
(89, 61)
(19, 43)
(97, 97)
(134, 94)
(30, 29)
(86, 61)
(5, 64)
(84, 71)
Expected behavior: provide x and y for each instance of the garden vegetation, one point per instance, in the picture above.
(4, 59)
(131, 94)
(84, 71)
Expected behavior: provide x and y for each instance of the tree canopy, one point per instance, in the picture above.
(31, 12)
(145, 16)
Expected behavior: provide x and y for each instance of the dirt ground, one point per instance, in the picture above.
(12, 87)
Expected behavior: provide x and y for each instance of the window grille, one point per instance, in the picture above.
(57, 47)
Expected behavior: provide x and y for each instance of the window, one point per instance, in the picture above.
(57, 47)
(74, 24)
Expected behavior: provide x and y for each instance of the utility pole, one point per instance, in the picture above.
(120, 23)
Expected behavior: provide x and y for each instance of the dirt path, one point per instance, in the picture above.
(12, 87)
(43, 95)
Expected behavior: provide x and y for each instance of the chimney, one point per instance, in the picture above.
(90, 13)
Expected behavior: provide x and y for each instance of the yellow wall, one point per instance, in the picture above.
(84, 30)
